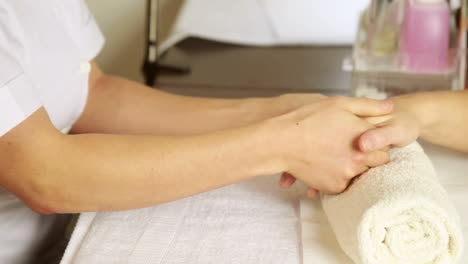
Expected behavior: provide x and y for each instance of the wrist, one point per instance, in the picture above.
(266, 108)
(422, 107)
(260, 109)
(253, 110)
(269, 140)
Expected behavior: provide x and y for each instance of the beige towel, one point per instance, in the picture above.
(397, 214)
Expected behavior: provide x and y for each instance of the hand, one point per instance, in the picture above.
(287, 180)
(319, 142)
(402, 127)
(293, 101)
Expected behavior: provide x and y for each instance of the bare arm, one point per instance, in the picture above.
(56, 173)
(120, 106)
(438, 117)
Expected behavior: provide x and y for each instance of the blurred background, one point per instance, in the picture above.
(268, 47)
(123, 22)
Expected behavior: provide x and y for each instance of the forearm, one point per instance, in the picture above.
(120, 106)
(56, 173)
(443, 116)
(111, 172)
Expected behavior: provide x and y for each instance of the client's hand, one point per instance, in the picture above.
(321, 140)
(398, 129)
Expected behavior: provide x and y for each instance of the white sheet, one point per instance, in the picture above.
(251, 222)
(315, 22)
(268, 22)
(240, 22)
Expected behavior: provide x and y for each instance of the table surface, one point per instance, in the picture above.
(226, 70)
(242, 223)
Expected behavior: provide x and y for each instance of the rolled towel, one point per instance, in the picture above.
(398, 213)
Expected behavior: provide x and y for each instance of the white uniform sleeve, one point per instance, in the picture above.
(85, 31)
(18, 99)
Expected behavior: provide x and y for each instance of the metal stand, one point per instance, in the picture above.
(152, 65)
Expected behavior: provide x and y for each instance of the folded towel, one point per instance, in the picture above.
(397, 213)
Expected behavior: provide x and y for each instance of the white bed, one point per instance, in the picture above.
(250, 222)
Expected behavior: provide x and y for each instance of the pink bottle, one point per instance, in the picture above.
(426, 36)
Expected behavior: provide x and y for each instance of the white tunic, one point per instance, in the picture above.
(45, 49)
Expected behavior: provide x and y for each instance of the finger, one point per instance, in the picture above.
(312, 193)
(379, 138)
(365, 107)
(378, 120)
(377, 158)
(282, 179)
(287, 180)
(360, 171)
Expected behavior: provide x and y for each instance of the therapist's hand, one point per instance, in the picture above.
(293, 101)
(318, 142)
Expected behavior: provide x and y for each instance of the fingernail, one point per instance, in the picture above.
(367, 144)
(281, 182)
(284, 183)
(312, 193)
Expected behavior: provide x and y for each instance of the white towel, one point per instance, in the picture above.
(397, 214)
(251, 222)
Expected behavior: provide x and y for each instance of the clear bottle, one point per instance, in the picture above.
(384, 27)
(425, 36)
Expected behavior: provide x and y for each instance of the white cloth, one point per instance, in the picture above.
(268, 22)
(44, 49)
(251, 222)
(397, 213)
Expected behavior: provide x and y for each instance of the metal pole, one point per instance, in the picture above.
(150, 66)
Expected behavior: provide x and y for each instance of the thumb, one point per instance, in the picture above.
(377, 158)
(365, 107)
(384, 136)
(378, 138)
